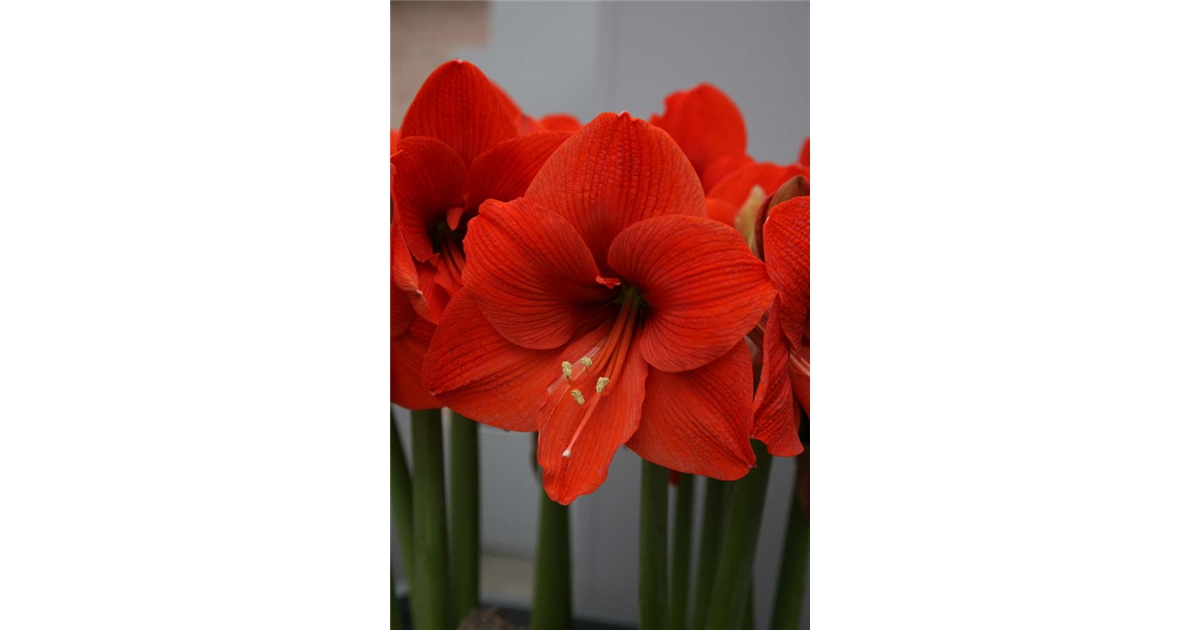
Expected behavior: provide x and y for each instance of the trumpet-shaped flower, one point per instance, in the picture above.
(459, 145)
(603, 309)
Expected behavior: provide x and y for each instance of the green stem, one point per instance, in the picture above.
(652, 549)
(402, 500)
(681, 553)
(397, 622)
(715, 492)
(793, 567)
(429, 584)
(748, 616)
(464, 516)
(552, 571)
(735, 564)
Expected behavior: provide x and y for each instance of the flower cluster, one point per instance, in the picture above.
(615, 283)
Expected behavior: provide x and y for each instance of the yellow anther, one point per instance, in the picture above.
(586, 361)
(601, 384)
(567, 369)
(577, 395)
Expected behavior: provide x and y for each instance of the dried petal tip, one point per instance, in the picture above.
(578, 396)
(601, 384)
(567, 369)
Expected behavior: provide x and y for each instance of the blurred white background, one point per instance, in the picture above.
(585, 58)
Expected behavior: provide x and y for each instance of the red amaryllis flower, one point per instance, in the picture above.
(459, 145)
(709, 129)
(777, 407)
(603, 309)
(411, 333)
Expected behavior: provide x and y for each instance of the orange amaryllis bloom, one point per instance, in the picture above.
(709, 129)
(459, 145)
(603, 309)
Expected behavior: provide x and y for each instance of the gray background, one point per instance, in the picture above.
(584, 59)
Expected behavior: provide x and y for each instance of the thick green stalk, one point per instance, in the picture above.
(735, 564)
(681, 553)
(715, 492)
(464, 516)
(429, 585)
(793, 566)
(402, 501)
(397, 622)
(748, 616)
(652, 549)
(552, 570)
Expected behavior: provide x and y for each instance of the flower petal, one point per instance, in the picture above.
(720, 210)
(705, 122)
(700, 421)
(458, 105)
(504, 171)
(614, 172)
(785, 244)
(402, 312)
(560, 122)
(776, 411)
(531, 274)
(427, 180)
(735, 187)
(408, 354)
(480, 374)
(703, 288)
(613, 421)
(721, 168)
(410, 282)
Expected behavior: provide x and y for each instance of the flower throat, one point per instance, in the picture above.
(605, 362)
(448, 243)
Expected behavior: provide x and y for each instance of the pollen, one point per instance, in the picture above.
(586, 361)
(577, 395)
(567, 369)
(601, 384)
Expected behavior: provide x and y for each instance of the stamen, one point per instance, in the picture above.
(609, 360)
